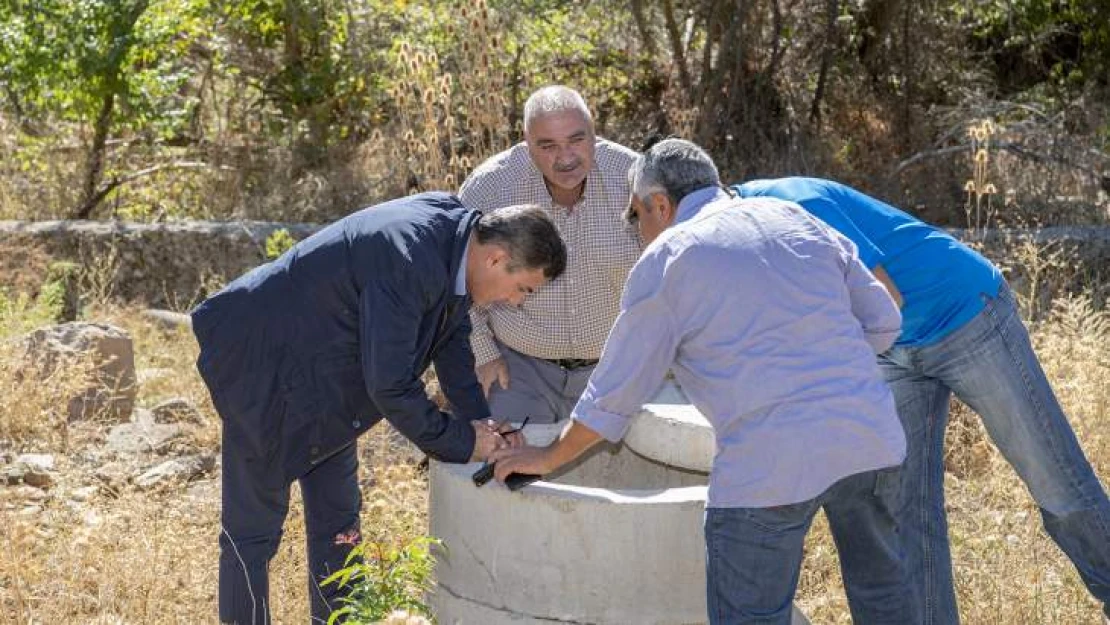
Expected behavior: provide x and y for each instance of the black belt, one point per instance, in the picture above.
(571, 364)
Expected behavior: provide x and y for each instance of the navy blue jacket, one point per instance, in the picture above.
(304, 354)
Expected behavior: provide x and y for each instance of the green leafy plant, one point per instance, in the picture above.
(59, 297)
(383, 578)
(278, 243)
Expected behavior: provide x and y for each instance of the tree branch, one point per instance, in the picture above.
(89, 205)
(1014, 148)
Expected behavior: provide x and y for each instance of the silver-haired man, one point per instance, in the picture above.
(771, 324)
(534, 360)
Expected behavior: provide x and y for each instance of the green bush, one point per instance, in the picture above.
(278, 243)
(384, 578)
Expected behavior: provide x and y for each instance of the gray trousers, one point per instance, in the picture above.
(538, 389)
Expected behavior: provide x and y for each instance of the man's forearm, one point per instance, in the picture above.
(573, 442)
(885, 279)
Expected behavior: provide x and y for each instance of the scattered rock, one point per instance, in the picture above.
(84, 493)
(113, 390)
(38, 462)
(168, 319)
(29, 493)
(114, 475)
(175, 410)
(152, 373)
(12, 474)
(142, 435)
(178, 469)
(37, 469)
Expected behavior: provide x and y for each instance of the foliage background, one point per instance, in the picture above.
(306, 110)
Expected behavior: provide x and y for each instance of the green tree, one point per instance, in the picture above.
(108, 65)
(315, 61)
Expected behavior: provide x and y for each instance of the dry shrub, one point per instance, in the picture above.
(32, 409)
(142, 557)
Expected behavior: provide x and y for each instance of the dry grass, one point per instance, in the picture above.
(126, 556)
(1007, 570)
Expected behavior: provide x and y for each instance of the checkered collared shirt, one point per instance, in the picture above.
(569, 317)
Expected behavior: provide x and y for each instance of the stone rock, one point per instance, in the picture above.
(114, 475)
(29, 493)
(84, 493)
(142, 435)
(39, 462)
(152, 373)
(167, 319)
(175, 410)
(30, 510)
(113, 390)
(12, 474)
(178, 469)
(37, 469)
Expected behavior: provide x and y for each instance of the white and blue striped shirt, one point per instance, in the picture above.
(771, 324)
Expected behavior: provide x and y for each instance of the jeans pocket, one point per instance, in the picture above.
(888, 484)
(782, 519)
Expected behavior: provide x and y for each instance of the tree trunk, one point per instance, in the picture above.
(644, 28)
(832, 9)
(678, 51)
(94, 166)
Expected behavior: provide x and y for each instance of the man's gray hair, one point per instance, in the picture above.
(673, 167)
(554, 99)
(528, 235)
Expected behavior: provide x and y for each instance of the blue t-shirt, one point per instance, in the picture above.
(942, 280)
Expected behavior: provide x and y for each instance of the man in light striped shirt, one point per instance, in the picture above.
(771, 324)
(534, 360)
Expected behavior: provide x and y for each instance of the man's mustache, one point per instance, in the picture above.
(565, 167)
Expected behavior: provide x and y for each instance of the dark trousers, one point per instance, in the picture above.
(255, 503)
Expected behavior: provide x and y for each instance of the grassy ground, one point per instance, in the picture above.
(124, 556)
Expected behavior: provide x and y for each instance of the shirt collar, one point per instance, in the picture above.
(460, 277)
(693, 202)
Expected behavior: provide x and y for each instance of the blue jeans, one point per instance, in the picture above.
(990, 365)
(753, 556)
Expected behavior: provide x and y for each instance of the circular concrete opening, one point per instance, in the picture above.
(616, 538)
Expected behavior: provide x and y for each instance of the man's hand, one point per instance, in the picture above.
(534, 460)
(486, 440)
(494, 370)
(513, 436)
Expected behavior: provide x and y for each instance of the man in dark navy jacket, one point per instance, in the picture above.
(304, 354)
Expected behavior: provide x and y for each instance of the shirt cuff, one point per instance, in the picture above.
(611, 426)
(484, 348)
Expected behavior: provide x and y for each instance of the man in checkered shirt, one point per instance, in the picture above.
(534, 360)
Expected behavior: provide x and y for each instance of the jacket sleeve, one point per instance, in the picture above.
(390, 314)
(455, 370)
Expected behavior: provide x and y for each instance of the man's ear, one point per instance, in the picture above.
(497, 255)
(661, 204)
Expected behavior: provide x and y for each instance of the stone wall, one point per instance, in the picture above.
(175, 264)
(163, 264)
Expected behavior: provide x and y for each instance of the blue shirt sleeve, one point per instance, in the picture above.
(640, 348)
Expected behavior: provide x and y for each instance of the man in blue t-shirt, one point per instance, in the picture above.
(961, 333)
